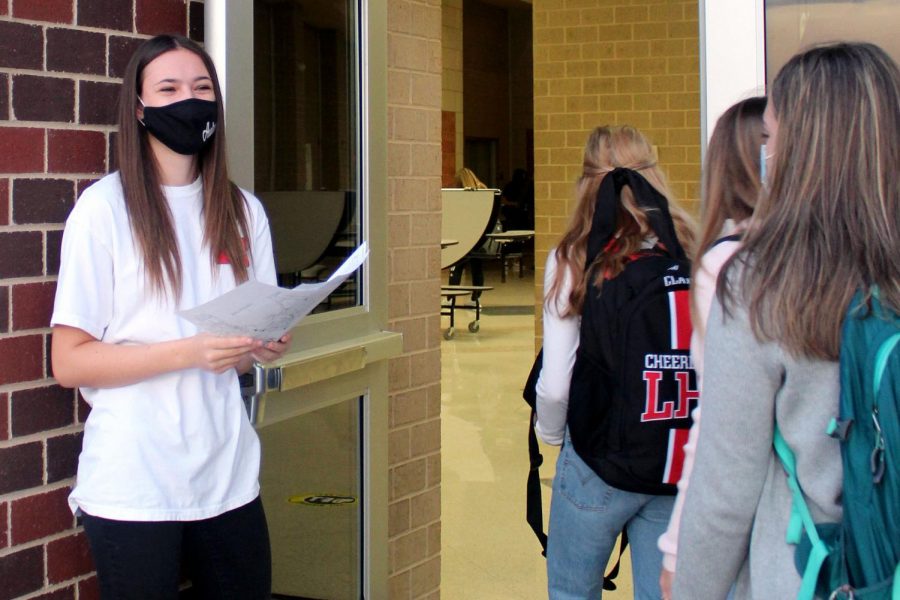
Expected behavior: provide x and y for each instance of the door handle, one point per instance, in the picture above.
(253, 386)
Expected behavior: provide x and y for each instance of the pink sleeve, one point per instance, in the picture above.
(668, 542)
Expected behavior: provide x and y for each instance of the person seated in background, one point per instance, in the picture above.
(517, 210)
(517, 202)
(466, 179)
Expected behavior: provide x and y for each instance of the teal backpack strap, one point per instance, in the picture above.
(878, 454)
(881, 359)
(895, 589)
(801, 520)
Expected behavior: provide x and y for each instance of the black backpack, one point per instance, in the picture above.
(633, 384)
(634, 348)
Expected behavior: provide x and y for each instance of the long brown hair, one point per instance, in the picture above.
(731, 176)
(225, 217)
(829, 224)
(608, 148)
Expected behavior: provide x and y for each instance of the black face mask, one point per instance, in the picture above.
(186, 126)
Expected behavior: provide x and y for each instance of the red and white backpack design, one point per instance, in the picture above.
(633, 384)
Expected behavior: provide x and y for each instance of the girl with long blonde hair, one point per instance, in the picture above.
(576, 552)
(827, 227)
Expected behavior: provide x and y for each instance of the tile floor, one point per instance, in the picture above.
(488, 551)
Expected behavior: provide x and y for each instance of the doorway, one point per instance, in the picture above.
(300, 79)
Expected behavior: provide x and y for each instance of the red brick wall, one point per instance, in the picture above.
(60, 64)
(448, 148)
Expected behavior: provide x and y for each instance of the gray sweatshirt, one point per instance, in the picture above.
(738, 504)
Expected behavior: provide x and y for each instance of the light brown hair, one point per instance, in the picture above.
(466, 178)
(829, 224)
(225, 217)
(608, 148)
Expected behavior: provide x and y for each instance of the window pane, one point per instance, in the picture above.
(792, 25)
(311, 489)
(306, 107)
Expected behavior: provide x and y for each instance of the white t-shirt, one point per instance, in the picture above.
(177, 446)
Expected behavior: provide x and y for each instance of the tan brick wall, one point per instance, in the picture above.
(414, 230)
(611, 62)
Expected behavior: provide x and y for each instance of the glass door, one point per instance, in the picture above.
(306, 137)
(745, 42)
(792, 25)
(306, 108)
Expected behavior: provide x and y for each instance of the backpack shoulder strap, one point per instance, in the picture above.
(534, 509)
(801, 520)
(735, 237)
(881, 358)
(895, 589)
(534, 512)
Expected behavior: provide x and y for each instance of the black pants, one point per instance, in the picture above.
(475, 266)
(226, 557)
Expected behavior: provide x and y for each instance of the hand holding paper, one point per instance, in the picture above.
(267, 312)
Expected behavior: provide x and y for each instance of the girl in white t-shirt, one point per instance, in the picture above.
(731, 187)
(170, 463)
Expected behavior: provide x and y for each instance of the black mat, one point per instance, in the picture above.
(503, 311)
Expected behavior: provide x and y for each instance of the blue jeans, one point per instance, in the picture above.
(586, 517)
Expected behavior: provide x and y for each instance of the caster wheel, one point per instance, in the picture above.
(448, 335)
(474, 326)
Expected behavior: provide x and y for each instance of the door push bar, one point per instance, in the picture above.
(305, 368)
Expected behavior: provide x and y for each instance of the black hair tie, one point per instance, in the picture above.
(654, 204)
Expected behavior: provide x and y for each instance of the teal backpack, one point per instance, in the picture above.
(858, 558)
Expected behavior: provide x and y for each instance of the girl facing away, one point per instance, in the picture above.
(170, 462)
(585, 522)
(827, 227)
(731, 187)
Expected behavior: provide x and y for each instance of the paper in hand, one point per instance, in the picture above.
(266, 312)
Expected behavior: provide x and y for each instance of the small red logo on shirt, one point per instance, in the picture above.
(223, 258)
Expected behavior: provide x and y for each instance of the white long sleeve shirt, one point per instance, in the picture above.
(560, 345)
